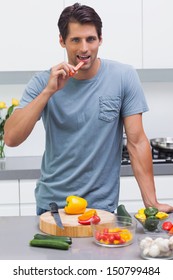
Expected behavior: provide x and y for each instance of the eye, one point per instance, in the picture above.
(91, 39)
(75, 40)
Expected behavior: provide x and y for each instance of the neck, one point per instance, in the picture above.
(89, 73)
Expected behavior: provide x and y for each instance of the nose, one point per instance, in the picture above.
(84, 46)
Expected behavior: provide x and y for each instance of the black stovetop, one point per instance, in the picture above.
(158, 156)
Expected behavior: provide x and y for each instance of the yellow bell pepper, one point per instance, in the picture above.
(161, 215)
(141, 211)
(126, 235)
(140, 216)
(75, 205)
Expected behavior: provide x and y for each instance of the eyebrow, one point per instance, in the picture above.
(78, 37)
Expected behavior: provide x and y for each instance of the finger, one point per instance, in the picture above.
(76, 68)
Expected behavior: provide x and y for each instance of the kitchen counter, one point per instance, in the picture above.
(16, 232)
(18, 168)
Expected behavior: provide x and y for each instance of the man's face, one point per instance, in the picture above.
(82, 44)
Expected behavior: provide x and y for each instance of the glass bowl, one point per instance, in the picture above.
(151, 226)
(156, 247)
(118, 232)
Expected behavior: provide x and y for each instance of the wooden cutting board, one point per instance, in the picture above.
(72, 228)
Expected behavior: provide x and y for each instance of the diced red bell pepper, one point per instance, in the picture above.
(167, 225)
(117, 236)
(171, 230)
(111, 238)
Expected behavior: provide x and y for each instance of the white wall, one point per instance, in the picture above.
(157, 122)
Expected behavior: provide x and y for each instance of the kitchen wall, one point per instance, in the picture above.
(157, 122)
(138, 40)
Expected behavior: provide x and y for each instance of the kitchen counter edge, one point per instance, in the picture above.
(28, 168)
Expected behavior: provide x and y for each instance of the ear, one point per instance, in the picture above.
(62, 43)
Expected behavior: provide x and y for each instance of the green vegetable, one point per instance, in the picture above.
(50, 243)
(53, 237)
(150, 211)
(122, 212)
(151, 223)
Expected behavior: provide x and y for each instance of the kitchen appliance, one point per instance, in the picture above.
(55, 213)
(72, 228)
(161, 148)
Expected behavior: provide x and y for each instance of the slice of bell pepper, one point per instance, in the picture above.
(95, 220)
(75, 205)
(85, 222)
(87, 215)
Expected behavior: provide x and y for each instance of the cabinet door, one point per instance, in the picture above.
(130, 194)
(164, 188)
(122, 37)
(157, 34)
(27, 197)
(29, 35)
(9, 198)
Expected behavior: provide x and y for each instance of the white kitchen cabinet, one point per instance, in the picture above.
(157, 34)
(27, 197)
(29, 35)
(9, 198)
(164, 188)
(137, 32)
(130, 194)
(122, 37)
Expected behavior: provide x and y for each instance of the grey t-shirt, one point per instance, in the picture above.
(84, 125)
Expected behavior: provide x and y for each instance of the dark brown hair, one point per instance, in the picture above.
(79, 13)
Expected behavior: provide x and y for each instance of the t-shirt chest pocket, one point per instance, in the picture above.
(109, 108)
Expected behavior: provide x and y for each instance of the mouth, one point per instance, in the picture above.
(83, 57)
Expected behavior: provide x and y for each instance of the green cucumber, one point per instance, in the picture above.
(122, 212)
(49, 243)
(53, 237)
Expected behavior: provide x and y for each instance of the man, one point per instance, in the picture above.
(83, 114)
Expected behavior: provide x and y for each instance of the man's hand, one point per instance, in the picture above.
(164, 207)
(59, 76)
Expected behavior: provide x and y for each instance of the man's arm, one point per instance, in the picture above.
(22, 121)
(20, 124)
(141, 160)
